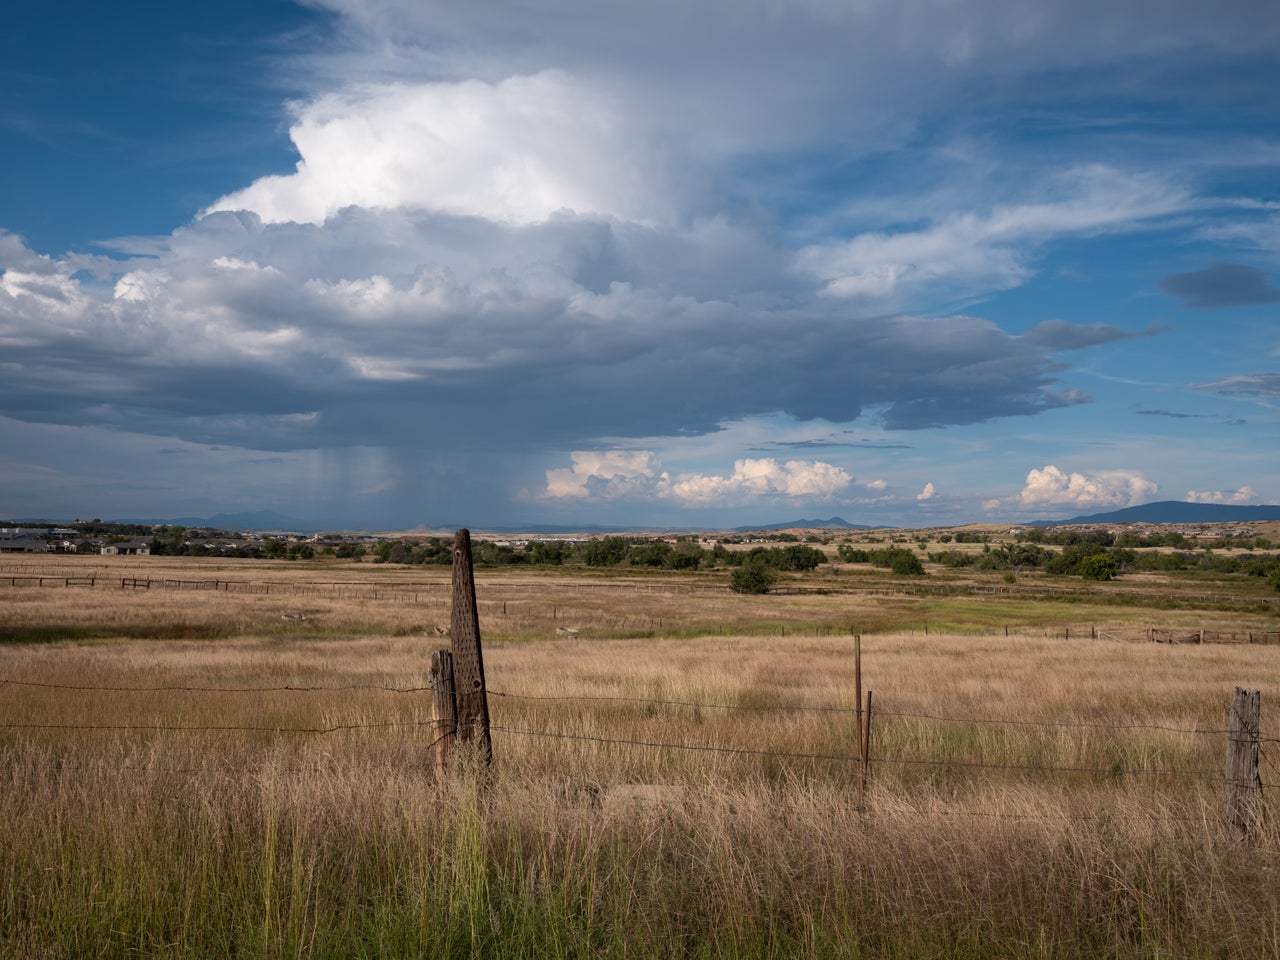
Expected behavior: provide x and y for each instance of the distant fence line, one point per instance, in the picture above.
(338, 589)
(1157, 635)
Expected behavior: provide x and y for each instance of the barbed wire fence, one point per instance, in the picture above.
(438, 729)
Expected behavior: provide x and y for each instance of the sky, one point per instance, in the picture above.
(388, 264)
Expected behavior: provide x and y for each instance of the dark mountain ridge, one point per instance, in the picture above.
(1176, 511)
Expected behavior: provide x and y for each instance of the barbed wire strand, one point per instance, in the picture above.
(1067, 817)
(739, 751)
(219, 728)
(189, 688)
(853, 710)
(847, 758)
(881, 713)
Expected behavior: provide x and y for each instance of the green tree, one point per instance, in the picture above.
(607, 552)
(550, 552)
(906, 564)
(1273, 581)
(753, 577)
(1098, 566)
(686, 556)
(799, 557)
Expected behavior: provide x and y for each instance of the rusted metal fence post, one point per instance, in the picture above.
(468, 663)
(1244, 784)
(857, 687)
(444, 711)
(863, 729)
(864, 768)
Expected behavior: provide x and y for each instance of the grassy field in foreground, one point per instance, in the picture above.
(162, 795)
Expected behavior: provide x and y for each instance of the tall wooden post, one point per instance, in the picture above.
(1244, 785)
(468, 664)
(444, 711)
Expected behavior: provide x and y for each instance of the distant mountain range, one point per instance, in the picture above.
(835, 523)
(251, 520)
(545, 529)
(1176, 511)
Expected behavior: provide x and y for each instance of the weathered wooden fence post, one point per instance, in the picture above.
(1244, 785)
(444, 710)
(468, 663)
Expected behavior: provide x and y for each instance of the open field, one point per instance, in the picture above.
(676, 780)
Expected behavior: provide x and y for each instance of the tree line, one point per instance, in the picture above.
(1090, 559)
(612, 551)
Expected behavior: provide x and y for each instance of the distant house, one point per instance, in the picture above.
(129, 548)
(23, 545)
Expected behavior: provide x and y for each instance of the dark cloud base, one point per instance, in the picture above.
(292, 337)
(1223, 285)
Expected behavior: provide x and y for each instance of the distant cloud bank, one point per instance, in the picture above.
(617, 474)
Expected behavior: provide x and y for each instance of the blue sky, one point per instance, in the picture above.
(389, 263)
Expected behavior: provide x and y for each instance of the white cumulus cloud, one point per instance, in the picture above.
(928, 493)
(605, 474)
(1106, 488)
(638, 474)
(1245, 494)
(765, 477)
(516, 151)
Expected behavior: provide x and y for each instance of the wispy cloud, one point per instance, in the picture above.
(1263, 385)
(1171, 414)
(835, 445)
(963, 252)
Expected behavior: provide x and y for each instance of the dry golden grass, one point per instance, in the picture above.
(347, 599)
(1082, 820)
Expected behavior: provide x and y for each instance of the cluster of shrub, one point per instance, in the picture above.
(900, 560)
(1094, 561)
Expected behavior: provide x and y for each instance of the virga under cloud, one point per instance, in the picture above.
(517, 231)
